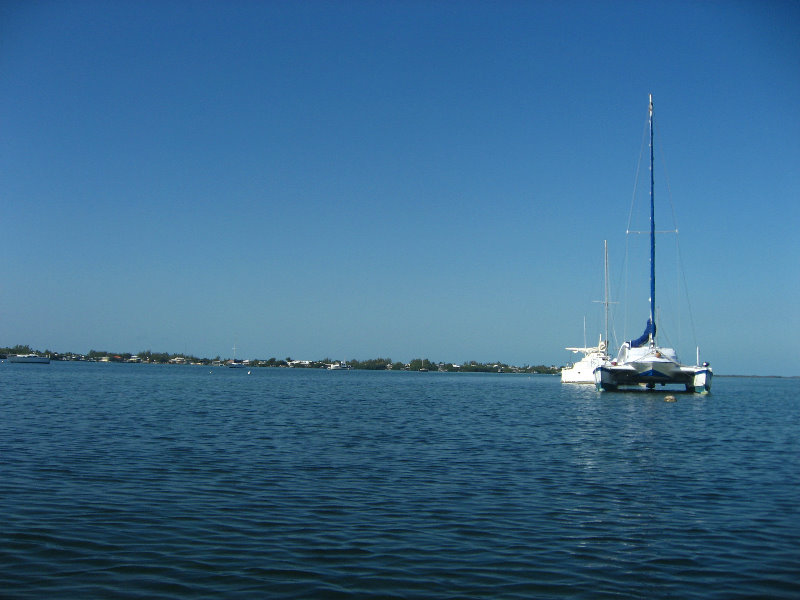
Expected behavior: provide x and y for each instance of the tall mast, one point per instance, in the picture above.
(652, 228)
(606, 302)
(605, 284)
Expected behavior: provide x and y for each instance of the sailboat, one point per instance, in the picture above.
(234, 363)
(642, 362)
(583, 370)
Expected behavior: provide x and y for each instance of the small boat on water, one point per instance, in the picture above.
(340, 366)
(642, 362)
(29, 359)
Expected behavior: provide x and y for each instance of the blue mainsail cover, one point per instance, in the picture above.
(649, 330)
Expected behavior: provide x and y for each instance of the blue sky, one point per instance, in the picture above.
(402, 179)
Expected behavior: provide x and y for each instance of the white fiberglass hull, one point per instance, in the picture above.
(583, 370)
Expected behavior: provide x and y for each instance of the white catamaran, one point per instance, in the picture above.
(642, 362)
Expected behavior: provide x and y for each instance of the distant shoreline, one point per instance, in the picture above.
(373, 364)
(376, 364)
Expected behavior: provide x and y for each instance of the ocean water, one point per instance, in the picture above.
(142, 481)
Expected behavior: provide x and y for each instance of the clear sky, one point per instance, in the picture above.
(358, 179)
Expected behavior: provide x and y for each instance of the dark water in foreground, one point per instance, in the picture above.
(139, 481)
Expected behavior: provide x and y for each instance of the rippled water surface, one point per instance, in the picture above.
(140, 481)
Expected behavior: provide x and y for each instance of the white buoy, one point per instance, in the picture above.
(669, 399)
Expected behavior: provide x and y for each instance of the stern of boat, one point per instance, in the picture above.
(701, 382)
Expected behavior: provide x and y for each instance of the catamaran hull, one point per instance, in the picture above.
(649, 374)
(701, 381)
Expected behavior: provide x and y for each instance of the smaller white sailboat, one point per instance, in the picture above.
(234, 363)
(583, 370)
(642, 362)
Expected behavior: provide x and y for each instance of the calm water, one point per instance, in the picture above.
(139, 481)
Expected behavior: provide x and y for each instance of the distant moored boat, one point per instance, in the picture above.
(29, 358)
(341, 365)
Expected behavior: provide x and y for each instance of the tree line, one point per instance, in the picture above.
(372, 364)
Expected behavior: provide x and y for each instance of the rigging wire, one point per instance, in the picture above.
(680, 275)
(626, 262)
